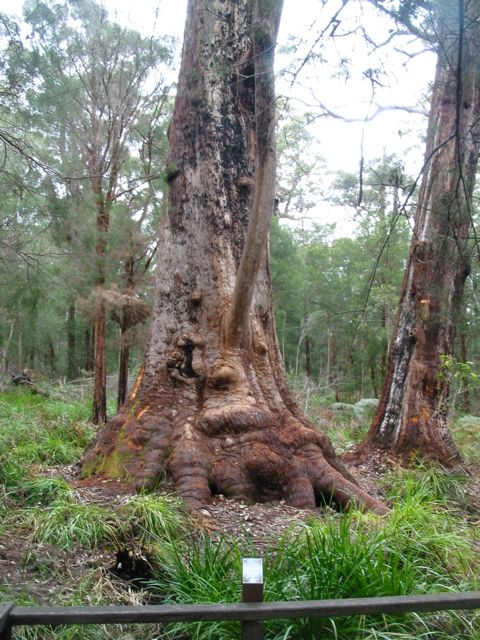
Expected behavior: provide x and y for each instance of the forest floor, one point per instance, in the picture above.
(42, 561)
(25, 565)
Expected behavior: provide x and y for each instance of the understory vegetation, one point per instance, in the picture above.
(63, 540)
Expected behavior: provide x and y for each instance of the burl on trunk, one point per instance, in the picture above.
(211, 408)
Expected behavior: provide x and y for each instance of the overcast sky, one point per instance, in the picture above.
(339, 142)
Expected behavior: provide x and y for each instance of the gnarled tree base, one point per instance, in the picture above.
(217, 438)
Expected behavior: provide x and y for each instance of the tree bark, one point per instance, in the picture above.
(411, 418)
(210, 407)
(124, 358)
(125, 326)
(71, 368)
(99, 409)
(464, 358)
(88, 355)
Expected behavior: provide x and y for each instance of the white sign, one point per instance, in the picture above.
(252, 570)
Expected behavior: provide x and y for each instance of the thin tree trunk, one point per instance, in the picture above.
(123, 363)
(332, 365)
(329, 356)
(385, 352)
(32, 352)
(362, 367)
(52, 359)
(88, 346)
(4, 365)
(125, 326)
(297, 355)
(373, 378)
(71, 368)
(464, 358)
(308, 357)
(99, 409)
(20, 347)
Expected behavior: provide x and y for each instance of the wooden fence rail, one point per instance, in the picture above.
(12, 615)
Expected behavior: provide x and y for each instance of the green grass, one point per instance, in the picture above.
(154, 518)
(199, 571)
(425, 545)
(424, 483)
(44, 490)
(66, 524)
(465, 432)
(420, 548)
(39, 431)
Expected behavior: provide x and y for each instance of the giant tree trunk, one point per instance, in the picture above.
(411, 417)
(210, 407)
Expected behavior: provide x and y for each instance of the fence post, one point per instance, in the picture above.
(5, 627)
(252, 591)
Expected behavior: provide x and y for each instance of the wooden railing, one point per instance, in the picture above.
(250, 614)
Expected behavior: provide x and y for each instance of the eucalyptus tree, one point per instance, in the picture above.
(300, 167)
(95, 82)
(211, 407)
(20, 228)
(335, 298)
(288, 286)
(412, 414)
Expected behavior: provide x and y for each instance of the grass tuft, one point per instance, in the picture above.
(154, 518)
(44, 490)
(65, 524)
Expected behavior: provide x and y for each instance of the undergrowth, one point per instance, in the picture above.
(340, 556)
(36, 430)
(424, 545)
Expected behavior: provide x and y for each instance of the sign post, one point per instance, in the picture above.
(252, 591)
